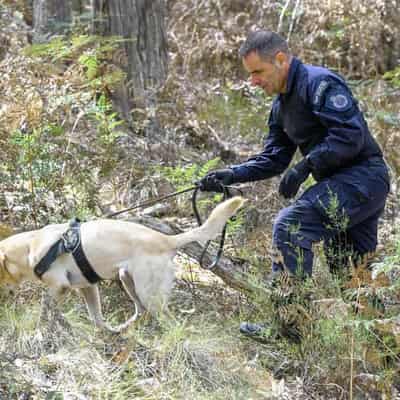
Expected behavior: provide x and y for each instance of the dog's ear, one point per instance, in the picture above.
(2, 266)
(2, 259)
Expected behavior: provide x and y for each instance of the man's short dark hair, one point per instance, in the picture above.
(265, 43)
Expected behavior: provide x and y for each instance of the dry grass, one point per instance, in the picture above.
(198, 354)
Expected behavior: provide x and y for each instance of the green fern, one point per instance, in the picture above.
(91, 64)
(83, 41)
(182, 177)
(393, 76)
(54, 50)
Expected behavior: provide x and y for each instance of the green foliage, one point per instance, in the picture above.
(237, 112)
(64, 48)
(57, 49)
(339, 221)
(53, 176)
(35, 165)
(110, 79)
(91, 64)
(107, 123)
(235, 224)
(337, 31)
(15, 319)
(310, 181)
(184, 176)
(92, 53)
(35, 156)
(390, 261)
(393, 76)
(390, 265)
(389, 118)
(45, 170)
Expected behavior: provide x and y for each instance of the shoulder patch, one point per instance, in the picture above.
(338, 100)
(319, 92)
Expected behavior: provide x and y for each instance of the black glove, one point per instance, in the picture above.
(292, 180)
(215, 180)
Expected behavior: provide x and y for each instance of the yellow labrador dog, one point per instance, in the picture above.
(140, 256)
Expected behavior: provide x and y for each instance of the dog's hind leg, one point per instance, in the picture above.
(92, 299)
(129, 285)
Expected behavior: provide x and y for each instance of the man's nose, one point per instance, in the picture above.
(255, 81)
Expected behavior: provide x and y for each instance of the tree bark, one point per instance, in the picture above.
(142, 24)
(391, 43)
(50, 17)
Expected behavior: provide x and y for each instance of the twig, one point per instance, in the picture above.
(293, 19)
(32, 182)
(80, 115)
(282, 15)
(352, 347)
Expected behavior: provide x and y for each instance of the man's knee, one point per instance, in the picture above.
(291, 249)
(283, 225)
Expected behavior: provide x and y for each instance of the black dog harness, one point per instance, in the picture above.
(70, 242)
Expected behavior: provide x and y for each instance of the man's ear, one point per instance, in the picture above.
(280, 59)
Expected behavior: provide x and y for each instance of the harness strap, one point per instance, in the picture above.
(70, 242)
(44, 264)
(84, 265)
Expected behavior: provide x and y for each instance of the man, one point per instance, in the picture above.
(314, 111)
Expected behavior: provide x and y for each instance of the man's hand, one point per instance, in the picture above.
(215, 180)
(292, 180)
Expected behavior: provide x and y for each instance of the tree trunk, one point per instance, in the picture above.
(50, 17)
(141, 23)
(99, 18)
(391, 42)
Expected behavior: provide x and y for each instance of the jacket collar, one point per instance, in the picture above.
(293, 68)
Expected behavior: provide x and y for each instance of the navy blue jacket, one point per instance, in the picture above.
(319, 115)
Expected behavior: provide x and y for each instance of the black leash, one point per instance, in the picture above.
(226, 195)
(150, 202)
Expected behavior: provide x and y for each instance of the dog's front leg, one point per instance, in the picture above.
(59, 294)
(50, 312)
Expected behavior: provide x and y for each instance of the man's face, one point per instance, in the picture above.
(271, 75)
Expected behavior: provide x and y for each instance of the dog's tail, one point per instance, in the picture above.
(214, 224)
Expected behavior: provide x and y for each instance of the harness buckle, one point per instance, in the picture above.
(71, 239)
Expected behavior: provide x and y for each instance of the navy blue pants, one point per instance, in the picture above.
(342, 210)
